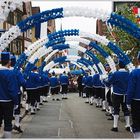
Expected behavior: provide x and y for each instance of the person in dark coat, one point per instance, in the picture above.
(80, 86)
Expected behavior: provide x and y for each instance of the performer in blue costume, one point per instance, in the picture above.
(133, 98)
(54, 84)
(98, 90)
(89, 84)
(46, 84)
(8, 93)
(64, 81)
(119, 81)
(21, 83)
(32, 87)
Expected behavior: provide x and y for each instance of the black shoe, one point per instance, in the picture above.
(100, 106)
(40, 104)
(53, 99)
(103, 110)
(108, 114)
(91, 103)
(21, 106)
(45, 101)
(66, 98)
(87, 102)
(115, 129)
(127, 129)
(26, 111)
(20, 118)
(38, 109)
(97, 106)
(17, 129)
(57, 99)
(33, 113)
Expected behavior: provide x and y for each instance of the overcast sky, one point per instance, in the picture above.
(84, 24)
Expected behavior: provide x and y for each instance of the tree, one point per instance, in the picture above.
(126, 42)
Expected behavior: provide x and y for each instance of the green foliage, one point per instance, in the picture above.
(125, 41)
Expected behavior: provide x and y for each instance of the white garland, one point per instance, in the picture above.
(86, 12)
(98, 38)
(76, 38)
(9, 36)
(71, 58)
(78, 57)
(10, 5)
(36, 45)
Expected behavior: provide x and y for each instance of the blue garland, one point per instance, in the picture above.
(29, 67)
(59, 34)
(60, 46)
(99, 49)
(40, 18)
(87, 61)
(54, 42)
(119, 53)
(125, 25)
(22, 58)
(60, 59)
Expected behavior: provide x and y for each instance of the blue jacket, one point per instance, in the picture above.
(119, 81)
(96, 81)
(33, 81)
(45, 80)
(133, 90)
(8, 86)
(54, 82)
(88, 81)
(64, 80)
(20, 79)
(108, 85)
(84, 80)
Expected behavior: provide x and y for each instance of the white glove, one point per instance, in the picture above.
(15, 107)
(103, 76)
(129, 107)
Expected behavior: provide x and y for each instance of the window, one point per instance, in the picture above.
(10, 18)
(18, 17)
(16, 46)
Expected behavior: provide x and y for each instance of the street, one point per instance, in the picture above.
(70, 118)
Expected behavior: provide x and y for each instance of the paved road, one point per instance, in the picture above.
(71, 118)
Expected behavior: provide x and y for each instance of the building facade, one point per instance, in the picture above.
(18, 45)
